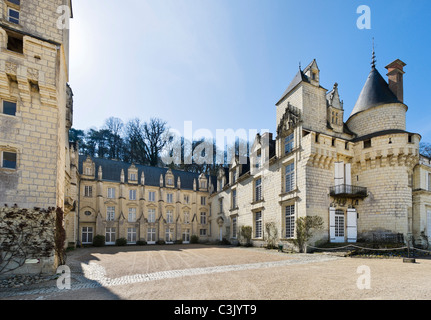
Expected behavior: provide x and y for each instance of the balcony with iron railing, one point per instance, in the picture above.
(348, 191)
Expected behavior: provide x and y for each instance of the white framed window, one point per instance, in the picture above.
(88, 191)
(8, 108)
(152, 196)
(339, 223)
(169, 197)
(131, 235)
(169, 235)
(289, 221)
(289, 143)
(151, 235)
(151, 215)
(132, 194)
(87, 235)
(169, 216)
(13, 15)
(186, 199)
(234, 227)
(203, 184)
(186, 235)
(186, 217)
(110, 213)
(233, 198)
(220, 201)
(170, 182)
(203, 232)
(203, 201)
(110, 235)
(258, 190)
(133, 177)
(132, 215)
(203, 218)
(8, 160)
(111, 193)
(88, 171)
(289, 177)
(258, 224)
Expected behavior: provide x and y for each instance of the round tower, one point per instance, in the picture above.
(385, 155)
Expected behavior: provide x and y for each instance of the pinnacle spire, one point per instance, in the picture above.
(373, 59)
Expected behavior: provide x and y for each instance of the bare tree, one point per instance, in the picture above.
(155, 138)
(425, 149)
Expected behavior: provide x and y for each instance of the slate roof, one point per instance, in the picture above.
(299, 77)
(111, 171)
(374, 93)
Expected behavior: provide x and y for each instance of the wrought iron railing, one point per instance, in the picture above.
(345, 190)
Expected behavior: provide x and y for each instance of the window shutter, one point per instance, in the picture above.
(348, 174)
(339, 173)
(332, 224)
(352, 225)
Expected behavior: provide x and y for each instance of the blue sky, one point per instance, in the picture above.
(225, 63)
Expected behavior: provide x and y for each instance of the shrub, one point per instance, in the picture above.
(178, 241)
(141, 243)
(99, 241)
(246, 232)
(161, 241)
(194, 239)
(121, 242)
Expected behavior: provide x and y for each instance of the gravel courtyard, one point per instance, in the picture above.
(203, 272)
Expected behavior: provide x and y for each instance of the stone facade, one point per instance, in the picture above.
(139, 203)
(34, 97)
(363, 177)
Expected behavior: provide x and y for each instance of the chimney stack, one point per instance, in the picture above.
(395, 76)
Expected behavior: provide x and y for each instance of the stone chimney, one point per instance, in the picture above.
(395, 77)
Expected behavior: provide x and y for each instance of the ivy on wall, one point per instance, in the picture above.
(30, 234)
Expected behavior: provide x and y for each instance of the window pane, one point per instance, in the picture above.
(9, 108)
(17, 2)
(9, 160)
(13, 13)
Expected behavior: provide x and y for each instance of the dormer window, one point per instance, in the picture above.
(133, 177)
(88, 171)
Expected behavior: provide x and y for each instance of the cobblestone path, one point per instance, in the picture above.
(92, 275)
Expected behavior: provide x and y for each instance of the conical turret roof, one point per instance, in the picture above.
(374, 93)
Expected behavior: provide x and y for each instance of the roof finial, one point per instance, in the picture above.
(299, 65)
(373, 61)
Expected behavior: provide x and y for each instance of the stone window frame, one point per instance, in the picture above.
(169, 216)
(131, 217)
(289, 220)
(9, 101)
(203, 218)
(88, 191)
(257, 190)
(110, 214)
(132, 235)
(258, 230)
(153, 214)
(150, 198)
(169, 197)
(87, 233)
(289, 140)
(291, 187)
(16, 20)
(109, 193)
(11, 151)
(203, 201)
(132, 194)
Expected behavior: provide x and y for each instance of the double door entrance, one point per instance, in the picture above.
(343, 226)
